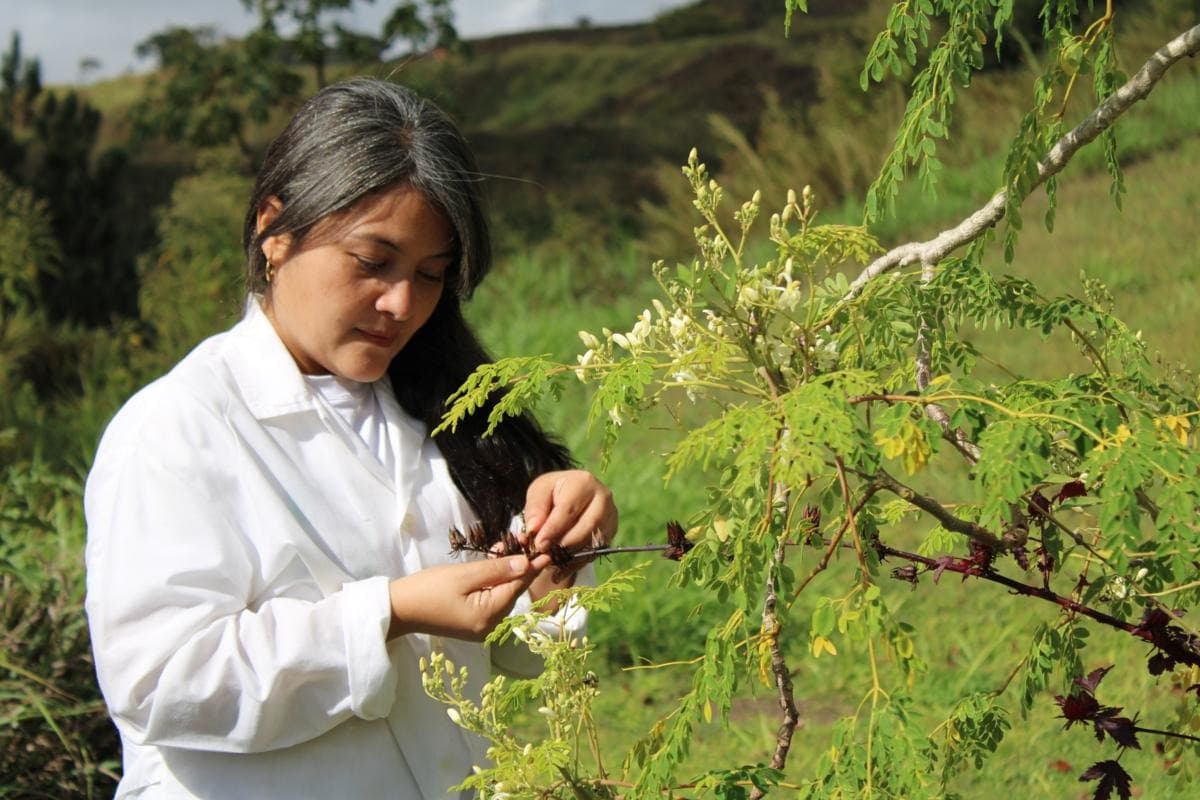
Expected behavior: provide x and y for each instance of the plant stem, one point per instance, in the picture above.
(779, 668)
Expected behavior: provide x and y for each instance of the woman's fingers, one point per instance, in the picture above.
(571, 509)
(463, 601)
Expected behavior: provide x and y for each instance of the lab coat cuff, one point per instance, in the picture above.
(366, 616)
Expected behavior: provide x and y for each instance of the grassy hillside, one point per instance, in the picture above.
(574, 122)
(585, 129)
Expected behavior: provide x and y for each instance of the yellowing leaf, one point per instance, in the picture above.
(910, 446)
(1178, 425)
(1119, 437)
(822, 645)
(721, 528)
(707, 711)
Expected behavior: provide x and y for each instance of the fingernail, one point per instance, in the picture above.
(518, 564)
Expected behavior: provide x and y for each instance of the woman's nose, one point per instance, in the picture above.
(396, 301)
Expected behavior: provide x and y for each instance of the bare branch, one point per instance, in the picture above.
(1101, 119)
(936, 510)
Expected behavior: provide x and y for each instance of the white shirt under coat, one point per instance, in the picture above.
(241, 539)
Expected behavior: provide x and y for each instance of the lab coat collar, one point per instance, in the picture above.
(271, 384)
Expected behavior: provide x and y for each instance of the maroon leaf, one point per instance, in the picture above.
(942, 564)
(1111, 776)
(1121, 729)
(1093, 679)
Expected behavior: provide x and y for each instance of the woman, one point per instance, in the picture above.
(267, 523)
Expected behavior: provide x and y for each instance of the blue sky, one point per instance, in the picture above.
(63, 32)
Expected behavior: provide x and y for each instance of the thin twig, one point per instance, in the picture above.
(868, 492)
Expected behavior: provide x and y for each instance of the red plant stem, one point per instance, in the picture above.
(964, 566)
(1170, 734)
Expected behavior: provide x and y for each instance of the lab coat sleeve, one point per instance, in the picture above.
(186, 655)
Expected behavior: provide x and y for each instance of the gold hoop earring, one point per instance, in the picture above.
(270, 272)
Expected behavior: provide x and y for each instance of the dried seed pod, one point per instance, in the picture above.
(677, 542)
(559, 556)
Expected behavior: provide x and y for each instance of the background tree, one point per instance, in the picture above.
(209, 92)
(20, 84)
(429, 27)
(88, 66)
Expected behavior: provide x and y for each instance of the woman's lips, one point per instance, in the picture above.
(380, 339)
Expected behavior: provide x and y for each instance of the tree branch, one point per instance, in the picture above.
(924, 371)
(1101, 119)
(783, 679)
(936, 510)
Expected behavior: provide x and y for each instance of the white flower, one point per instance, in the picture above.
(454, 716)
(589, 341)
(677, 325)
(621, 339)
(747, 295)
(614, 414)
(584, 360)
(790, 296)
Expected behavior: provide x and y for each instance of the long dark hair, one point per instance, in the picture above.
(364, 136)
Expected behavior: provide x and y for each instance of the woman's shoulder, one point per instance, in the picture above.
(196, 392)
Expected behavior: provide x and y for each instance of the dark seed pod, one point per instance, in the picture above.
(677, 542)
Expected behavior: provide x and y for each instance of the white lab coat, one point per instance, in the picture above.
(241, 539)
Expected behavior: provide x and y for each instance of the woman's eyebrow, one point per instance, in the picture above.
(388, 243)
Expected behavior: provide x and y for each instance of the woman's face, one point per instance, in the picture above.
(353, 293)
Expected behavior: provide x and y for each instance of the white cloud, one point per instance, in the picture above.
(62, 32)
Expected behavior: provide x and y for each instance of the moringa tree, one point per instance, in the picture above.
(813, 389)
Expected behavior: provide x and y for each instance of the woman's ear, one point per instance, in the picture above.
(274, 247)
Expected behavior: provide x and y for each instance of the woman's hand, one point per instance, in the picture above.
(571, 509)
(462, 601)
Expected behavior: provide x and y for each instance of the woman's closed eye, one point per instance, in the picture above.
(370, 265)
